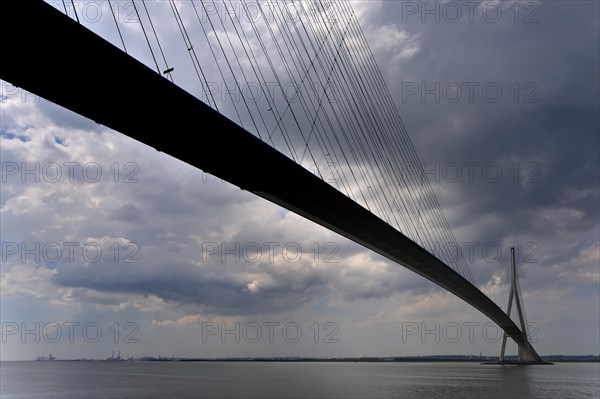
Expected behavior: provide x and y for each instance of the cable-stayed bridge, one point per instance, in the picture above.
(281, 98)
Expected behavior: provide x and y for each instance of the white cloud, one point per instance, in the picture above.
(394, 44)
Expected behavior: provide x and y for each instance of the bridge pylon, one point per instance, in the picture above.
(526, 353)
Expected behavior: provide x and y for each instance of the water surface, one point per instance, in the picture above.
(88, 379)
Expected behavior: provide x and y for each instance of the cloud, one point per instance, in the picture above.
(394, 45)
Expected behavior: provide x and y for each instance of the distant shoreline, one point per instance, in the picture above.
(393, 359)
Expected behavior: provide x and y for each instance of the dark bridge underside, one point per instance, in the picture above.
(69, 65)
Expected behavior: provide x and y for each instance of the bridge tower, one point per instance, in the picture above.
(524, 354)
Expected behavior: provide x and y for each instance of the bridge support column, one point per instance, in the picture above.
(526, 353)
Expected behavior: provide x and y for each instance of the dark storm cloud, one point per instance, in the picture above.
(223, 277)
(554, 140)
(215, 287)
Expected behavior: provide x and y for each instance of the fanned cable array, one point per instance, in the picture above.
(299, 75)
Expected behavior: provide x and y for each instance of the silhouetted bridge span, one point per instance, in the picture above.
(64, 62)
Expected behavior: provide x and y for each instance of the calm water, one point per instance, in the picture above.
(66, 380)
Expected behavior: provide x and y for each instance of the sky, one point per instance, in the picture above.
(109, 245)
